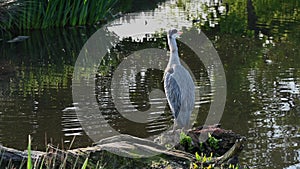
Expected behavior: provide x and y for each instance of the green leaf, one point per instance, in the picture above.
(85, 163)
(29, 163)
(198, 157)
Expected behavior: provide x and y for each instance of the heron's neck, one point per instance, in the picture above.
(174, 58)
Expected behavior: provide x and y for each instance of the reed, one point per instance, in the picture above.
(52, 163)
(35, 14)
(10, 14)
(29, 163)
(85, 163)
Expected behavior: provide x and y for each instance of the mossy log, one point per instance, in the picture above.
(124, 151)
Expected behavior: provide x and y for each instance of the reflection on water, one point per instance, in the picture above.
(282, 95)
(259, 49)
(136, 100)
(273, 128)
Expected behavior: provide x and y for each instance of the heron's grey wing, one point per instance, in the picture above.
(172, 92)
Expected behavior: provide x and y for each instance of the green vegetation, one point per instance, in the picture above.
(22, 14)
(50, 164)
(85, 163)
(204, 162)
(249, 18)
(186, 140)
(29, 163)
(213, 142)
(10, 13)
(200, 160)
(137, 5)
(233, 166)
(203, 157)
(37, 14)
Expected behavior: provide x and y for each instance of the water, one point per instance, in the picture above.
(259, 51)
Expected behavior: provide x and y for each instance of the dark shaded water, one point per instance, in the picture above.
(257, 41)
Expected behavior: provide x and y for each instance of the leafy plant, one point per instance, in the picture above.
(213, 142)
(186, 140)
(202, 159)
(231, 166)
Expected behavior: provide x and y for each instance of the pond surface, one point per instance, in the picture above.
(258, 44)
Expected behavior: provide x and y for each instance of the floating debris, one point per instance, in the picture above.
(70, 109)
(268, 61)
(18, 39)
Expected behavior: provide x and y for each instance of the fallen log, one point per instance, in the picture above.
(125, 151)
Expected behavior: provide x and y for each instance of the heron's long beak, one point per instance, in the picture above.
(178, 34)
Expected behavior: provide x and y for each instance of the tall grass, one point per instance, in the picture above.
(50, 163)
(85, 163)
(29, 163)
(35, 14)
(10, 13)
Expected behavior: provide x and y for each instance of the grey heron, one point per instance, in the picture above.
(179, 86)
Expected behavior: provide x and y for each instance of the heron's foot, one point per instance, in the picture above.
(174, 130)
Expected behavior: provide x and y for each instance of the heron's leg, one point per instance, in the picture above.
(174, 126)
(182, 130)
